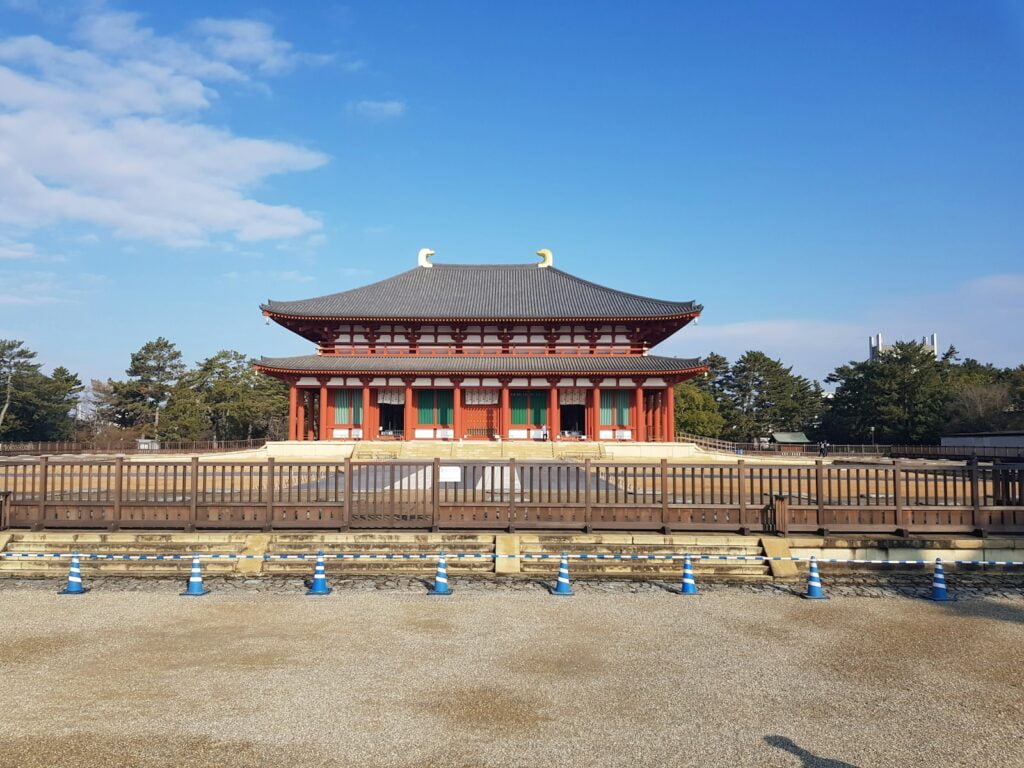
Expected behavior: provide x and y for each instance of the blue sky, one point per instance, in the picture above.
(812, 173)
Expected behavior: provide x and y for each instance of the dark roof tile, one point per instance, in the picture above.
(499, 291)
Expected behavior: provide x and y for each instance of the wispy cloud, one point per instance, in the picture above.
(270, 277)
(110, 133)
(37, 288)
(377, 110)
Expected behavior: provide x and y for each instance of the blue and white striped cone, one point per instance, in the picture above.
(814, 590)
(74, 586)
(689, 583)
(441, 587)
(319, 585)
(562, 588)
(195, 581)
(939, 592)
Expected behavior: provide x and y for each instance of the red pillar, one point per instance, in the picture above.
(300, 415)
(325, 433)
(638, 412)
(595, 410)
(410, 411)
(554, 415)
(670, 414)
(293, 406)
(504, 412)
(367, 424)
(457, 409)
(310, 416)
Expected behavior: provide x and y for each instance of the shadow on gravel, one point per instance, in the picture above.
(808, 759)
(986, 609)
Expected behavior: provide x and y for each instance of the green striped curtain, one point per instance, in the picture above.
(342, 404)
(622, 409)
(357, 406)
(607, 408)
(519, 401)
(539, 407)
(425, 406)
(445, 406)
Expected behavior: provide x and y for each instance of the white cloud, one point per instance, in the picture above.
(10, 251)
(377, 110)
(28, 289)
(982, 318)
(109, 134)
(253, 42)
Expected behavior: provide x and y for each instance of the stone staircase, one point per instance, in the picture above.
(481, 450)
(646, 544)
(137, 543)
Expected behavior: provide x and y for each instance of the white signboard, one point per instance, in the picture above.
(450, 474)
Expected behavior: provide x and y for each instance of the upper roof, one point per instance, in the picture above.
(483, 291)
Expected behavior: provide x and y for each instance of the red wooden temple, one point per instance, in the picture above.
(496, 351)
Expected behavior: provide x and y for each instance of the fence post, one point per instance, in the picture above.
(902, 523)
(435, 491)
(511, 495)
(115, 523)
(666, 528)
(587, 511)
(41, 511)
(741, 489)
(346, 508)
(976, 522)
(819, 492)
(193, 494)
(780, 508)
(268, 521)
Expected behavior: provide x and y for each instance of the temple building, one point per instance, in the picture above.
(493, 351)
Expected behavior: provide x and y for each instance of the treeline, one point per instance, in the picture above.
(906, 396)
(220, 398)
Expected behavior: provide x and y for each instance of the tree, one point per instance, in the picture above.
(224, 398)
(15, 363)
(760, 395)
(903, 396)
(696, 411)
(152, 372)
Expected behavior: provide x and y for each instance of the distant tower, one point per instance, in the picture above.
(876, 347)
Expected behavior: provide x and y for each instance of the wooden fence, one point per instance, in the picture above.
(127, 446)
(590, 495)
(950, 452)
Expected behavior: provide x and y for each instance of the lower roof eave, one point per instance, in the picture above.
(504, 366)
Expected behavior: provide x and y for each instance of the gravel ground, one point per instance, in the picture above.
(502, 674)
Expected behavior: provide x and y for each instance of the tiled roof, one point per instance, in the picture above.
(482, 291)
(483, 364)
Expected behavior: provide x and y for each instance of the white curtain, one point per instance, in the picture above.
(572, 396)
(481, 396)
(391, 396)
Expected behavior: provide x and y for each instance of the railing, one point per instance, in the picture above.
(127, 446)
(889, 451)
(118, 493)
(430, 349)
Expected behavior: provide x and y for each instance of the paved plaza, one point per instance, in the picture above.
(502, 674)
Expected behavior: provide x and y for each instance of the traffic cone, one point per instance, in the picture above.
(74, 586)
(195, 581)
(689, 584)
(441, 578)
(319, 585)
(939, 593)
(562, 588)
(814, 590)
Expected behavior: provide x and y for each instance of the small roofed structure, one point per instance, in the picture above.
(789, 441)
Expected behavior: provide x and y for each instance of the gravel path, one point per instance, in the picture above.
(621, 674)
